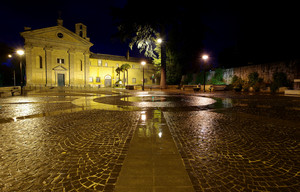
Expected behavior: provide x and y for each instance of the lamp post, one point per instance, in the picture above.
(143, 64)
(205, 58)
(163, 64)
(21, 52)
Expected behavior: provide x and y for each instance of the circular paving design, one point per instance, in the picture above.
(157, 101)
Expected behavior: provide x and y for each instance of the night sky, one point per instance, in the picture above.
(255, 31)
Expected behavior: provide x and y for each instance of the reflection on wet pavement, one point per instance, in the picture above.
(88, 141)
(153, 162)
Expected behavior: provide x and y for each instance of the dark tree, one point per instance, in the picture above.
(179, 25)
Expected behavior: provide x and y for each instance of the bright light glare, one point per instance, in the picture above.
(9, 56)
(205, 57)
(143, 63)
(160, 134)
(20, 52)
(144, 117)
(159, 40)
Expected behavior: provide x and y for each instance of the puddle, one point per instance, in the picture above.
(126, 102)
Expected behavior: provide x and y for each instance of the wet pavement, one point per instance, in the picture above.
(117, 140)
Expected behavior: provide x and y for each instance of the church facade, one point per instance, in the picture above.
(56, 56)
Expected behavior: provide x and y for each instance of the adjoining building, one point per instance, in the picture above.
(56, 56)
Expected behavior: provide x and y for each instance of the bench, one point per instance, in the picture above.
(129, 87)
(173, 87)
(15, 90)
(155, 87)
(184, 87)
(11, 90)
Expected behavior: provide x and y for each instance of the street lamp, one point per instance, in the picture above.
(143, 64)
(21, 52)
(205, 58)
(163, 64)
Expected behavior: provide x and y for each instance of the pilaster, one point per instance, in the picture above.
(28, 63)
(71, 53)
(48, 65)
(86, 67)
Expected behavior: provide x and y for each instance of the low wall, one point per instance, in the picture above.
(290, 68)
(265, 71)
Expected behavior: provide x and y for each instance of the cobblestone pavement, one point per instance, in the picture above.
(81, 151)
(76, 140)
(74, 151)
(251, 146)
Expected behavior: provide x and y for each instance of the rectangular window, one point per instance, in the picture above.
(60, 61)
(133, 80)
(41, 62)
(99, 62)
(98, 79)
(117, 65)
(106, 64)
(145, 80)
(91, 79)
(132, 66)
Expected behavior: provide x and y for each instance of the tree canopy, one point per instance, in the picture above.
(178, 25)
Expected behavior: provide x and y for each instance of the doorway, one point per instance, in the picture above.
(61, 80)
(107, 81)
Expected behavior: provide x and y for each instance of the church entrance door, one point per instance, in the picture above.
(61, 80)
(107, 81)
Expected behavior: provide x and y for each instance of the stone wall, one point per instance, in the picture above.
(265, 71)
(290, 68)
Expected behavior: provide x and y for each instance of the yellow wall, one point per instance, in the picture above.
(80, 68)
(102, 71)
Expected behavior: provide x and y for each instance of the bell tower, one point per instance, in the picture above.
(80, 29)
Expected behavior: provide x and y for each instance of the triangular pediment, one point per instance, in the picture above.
(57, 34)
(59, 68)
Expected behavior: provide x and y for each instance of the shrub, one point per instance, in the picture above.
(246, 85)
(253, 78)
(237, 82)
(188, 79)
(217, 79)
(279, 80)
(200, 78)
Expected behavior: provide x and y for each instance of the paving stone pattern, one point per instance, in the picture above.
(243, 142)
(237, 152)
(81, 151)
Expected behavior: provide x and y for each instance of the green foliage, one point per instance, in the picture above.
(217, 79)
(188, 79)
(234, 79)
(279, 80)
(174, 68)
(145, 35)
(237, 82)
(200, 78)
(246, 85)
(218, 74)
(124, 68)
(118, 71)
(253, 78)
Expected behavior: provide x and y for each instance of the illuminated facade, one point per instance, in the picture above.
(56, 56)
